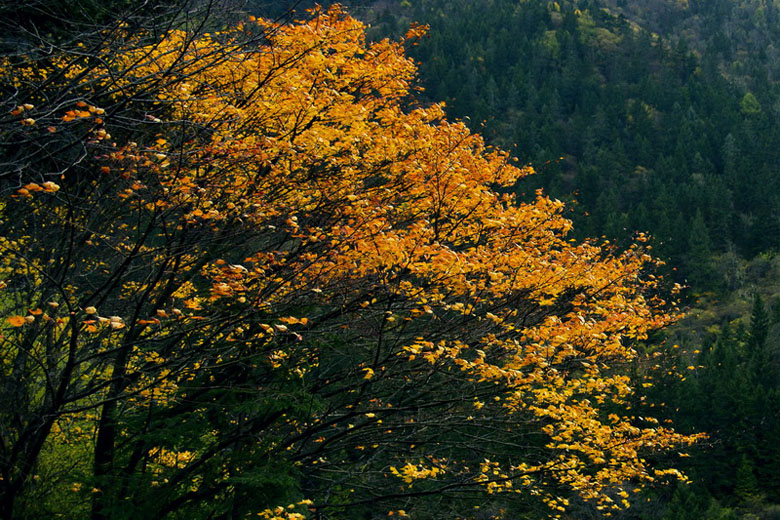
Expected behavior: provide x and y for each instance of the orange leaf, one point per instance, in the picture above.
(15, 321)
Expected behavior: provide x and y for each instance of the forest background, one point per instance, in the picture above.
(659, 118)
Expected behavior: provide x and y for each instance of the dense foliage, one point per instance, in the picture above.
(245, 273)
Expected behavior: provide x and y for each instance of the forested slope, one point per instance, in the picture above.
(653, 137)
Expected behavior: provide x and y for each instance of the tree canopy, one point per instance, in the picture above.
(244, 272)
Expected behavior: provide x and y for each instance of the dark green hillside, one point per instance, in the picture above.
(659, 116)
(644, 131)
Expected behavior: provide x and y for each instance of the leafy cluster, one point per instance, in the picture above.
(243, 273)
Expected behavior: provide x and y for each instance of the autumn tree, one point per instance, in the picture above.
(242, 270)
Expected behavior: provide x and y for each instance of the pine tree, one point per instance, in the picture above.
(698, 260)
(759, 324)
(747, 484)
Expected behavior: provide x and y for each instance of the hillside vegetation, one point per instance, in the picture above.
(654, 116)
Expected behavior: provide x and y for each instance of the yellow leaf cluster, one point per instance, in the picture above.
(346, 206)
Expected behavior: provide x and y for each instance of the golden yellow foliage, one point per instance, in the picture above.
(290, 223)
